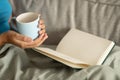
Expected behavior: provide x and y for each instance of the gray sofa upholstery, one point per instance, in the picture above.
(98, 17)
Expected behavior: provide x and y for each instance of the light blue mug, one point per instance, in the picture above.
(27, 24)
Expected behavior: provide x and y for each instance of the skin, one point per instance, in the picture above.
(24, 41)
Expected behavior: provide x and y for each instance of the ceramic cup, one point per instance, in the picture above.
(27, 24)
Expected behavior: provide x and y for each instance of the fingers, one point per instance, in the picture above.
(26, 42)
(42, 25)
(38, 41)
(22, 41)
(17, 39)
(43, 36)
(41, 22)
(21, 44)
(23, 38)
(31, 44)
(42, 39)
(42, 31)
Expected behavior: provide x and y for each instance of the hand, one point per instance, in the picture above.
(43, 36)
(23, 41)
(16, 39)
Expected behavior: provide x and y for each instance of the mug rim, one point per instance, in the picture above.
(38, 15)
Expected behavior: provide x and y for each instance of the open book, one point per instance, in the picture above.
(79, 49)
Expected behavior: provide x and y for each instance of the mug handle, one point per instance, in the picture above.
(13, 24)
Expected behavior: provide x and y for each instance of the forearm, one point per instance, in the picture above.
(2, 39)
